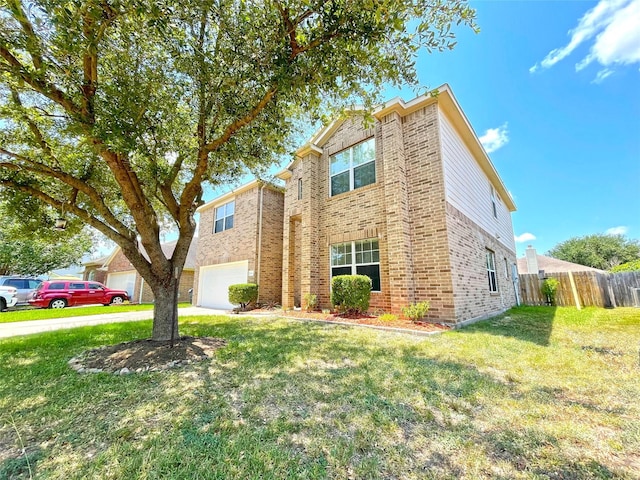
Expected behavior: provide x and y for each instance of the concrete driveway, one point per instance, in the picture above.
(36, 326)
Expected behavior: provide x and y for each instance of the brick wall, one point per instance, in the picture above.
(241, 242)
(468, 243)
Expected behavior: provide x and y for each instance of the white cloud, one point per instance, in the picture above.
(494, 138)
(612, 28)
(617, 231)
(602, 74)
(525, 237)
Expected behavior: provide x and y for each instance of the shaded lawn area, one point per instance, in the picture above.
(28, 314)
(297, 400)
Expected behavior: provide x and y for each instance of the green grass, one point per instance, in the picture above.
(28, 314)
(533, 394)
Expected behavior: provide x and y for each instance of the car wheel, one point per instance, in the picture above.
(3, 304)
(117, 300)
(58, 303)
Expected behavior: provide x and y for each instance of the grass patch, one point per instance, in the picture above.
(518, 396)
(28, 314)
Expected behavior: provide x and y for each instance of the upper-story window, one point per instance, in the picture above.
(299, 189)
(224, 217)
(353, 168)
(493, 203)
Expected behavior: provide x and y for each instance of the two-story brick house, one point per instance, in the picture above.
(240, 241)
(412, 201)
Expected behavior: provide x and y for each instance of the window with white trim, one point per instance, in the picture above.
(353, 168)
(491, 271)
(361, 257)
(224, 217)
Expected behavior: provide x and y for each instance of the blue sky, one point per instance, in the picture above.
(553, 89)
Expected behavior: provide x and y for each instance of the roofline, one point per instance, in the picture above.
(447, 103)
(222, 199)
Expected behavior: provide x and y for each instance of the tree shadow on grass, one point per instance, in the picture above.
(282, 400)
(530, 324)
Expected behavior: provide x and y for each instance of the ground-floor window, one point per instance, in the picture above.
(491, 271)
(361, 257)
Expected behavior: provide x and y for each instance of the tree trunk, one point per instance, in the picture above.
(165, 311)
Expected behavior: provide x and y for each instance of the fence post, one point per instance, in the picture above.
(574, 290)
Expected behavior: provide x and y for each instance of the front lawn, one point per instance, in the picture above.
(28, 314)
(535, 393)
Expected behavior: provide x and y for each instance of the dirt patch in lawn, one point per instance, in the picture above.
(146, 355)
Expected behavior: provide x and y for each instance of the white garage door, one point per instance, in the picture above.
(213, 286)
(122, 281)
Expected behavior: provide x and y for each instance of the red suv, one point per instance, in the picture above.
(69, 293)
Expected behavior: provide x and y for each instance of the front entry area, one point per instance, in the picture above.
(213, 285)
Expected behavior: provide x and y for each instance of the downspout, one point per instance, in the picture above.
(260, 237)
(141, 288)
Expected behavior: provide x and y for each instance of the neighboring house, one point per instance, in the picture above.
(534, 263)
(240, 241)
(117, 272)
(411, 200)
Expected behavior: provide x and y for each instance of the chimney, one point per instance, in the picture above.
(532, 259)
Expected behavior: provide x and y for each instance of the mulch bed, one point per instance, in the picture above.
(364, 319)
(146, 355)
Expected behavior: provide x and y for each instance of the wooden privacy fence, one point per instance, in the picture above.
(591, 288)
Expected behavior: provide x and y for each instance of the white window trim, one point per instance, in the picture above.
(224, 219)
(351, 168)
(491, 254)
(353, 263)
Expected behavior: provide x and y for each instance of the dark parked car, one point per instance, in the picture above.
(24, 285)
(70, 293)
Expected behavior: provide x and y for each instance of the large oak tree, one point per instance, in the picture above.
(117, 112)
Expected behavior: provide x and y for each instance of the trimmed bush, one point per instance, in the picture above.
(243, 294)
(388, 317)
(351, 293)
(415, 311)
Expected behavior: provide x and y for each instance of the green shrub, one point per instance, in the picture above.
(310, 301)
(387, 317)
(243, 294)
(549, 289)
(351, 293)
(632, 266)
(415, 311)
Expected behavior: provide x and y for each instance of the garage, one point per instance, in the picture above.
(122, 281)
(213, 286)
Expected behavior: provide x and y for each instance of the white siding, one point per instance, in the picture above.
(468, 188)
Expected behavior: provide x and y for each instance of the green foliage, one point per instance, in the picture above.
(632, 266)
(549, 289)
(351, 293)
(30, 246)
(415, 311)
(597, 251)
(120, 112)
(310, 301)
(388, 317)
(243, 294)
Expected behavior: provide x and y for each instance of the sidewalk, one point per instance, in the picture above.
(37, 326)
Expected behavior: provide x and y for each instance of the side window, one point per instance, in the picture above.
(57, 286)
(224, 217)
(34, 283)
(95, 286)
(491, 271)
(17, 283)
(494, 207)
(77, 286)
